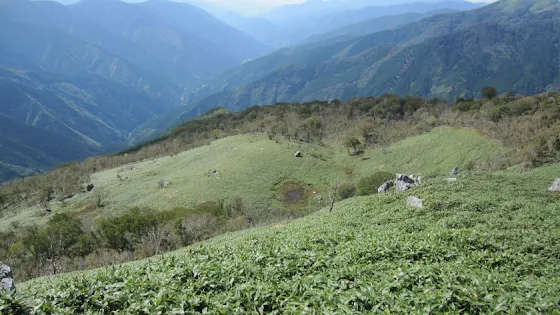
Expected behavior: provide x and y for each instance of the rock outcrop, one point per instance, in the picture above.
(401, 183)
(164, 183)
(404, 182)
(385, 187)
(455, 171)
(6, 278)
(415, 202)
(555, 186)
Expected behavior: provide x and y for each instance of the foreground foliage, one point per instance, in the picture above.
(487, 243)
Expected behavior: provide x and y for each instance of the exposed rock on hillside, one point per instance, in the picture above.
(6, 280)
(385, 187)
(415, 202)
(404, 182)
(555, 186)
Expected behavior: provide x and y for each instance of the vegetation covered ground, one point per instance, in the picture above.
(488, 243)
(250, 167)
(231, 171)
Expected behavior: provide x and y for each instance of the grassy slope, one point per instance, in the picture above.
(488, 243)
(251, 166)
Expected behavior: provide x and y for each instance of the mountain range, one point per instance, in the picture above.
(99, 75)
(89, 74)
(513, 45)
(292, 24)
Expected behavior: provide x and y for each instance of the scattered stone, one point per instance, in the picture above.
(555, 186)
(415, 202)
(90, 187)
(6, 280)
(453, 179)
(455, 171)
(212, 173)
(319, 197)
(404, 183)
(298, 154)
(5, 271)
(8, 284)
(385, 187)
(48, 212)
(164, 183)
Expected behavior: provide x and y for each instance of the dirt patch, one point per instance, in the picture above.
(292, 192)
(349, 171)
(294, 195)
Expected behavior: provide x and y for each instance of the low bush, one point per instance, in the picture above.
(368, 185)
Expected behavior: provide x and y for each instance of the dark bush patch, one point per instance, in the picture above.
(368, 185)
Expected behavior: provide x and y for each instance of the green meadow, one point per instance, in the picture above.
(252, 167)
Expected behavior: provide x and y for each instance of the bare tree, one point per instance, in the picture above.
(333, 193)
(100, 197)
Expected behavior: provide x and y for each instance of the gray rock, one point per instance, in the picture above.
(164, 183)
(555, 186)
(415, 202)
(385, 187)
(455, 171)
(6, 280)
(7, 284)
(5, 271)
(405, 178)
(298, 154)
(404, 183)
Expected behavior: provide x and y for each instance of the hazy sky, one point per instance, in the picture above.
(245, 7)
(255, 6)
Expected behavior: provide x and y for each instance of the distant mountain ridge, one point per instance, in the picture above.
(422, 58)
(197, 43)
(87, 75)
(289, 25)
(312, 53)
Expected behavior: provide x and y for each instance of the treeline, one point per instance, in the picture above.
(66, 244)
(530, 125)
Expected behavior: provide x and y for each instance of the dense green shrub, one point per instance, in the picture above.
(489, 92)
(369, 184)
(346, 191)
(12, 303)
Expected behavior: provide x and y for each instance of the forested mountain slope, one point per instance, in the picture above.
(390, 61)
(77, 74)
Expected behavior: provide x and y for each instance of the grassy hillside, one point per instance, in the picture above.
(485, 244)
(252, 167)
(231, 171)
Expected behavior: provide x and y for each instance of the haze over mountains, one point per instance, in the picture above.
(98, 75)
(509, 44)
